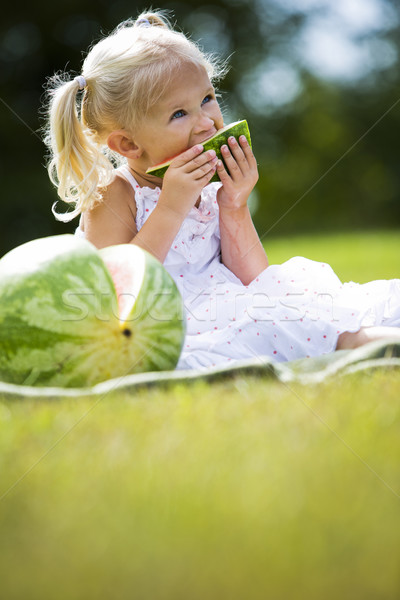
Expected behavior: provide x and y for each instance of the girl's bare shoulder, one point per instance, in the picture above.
(120, 194)
(112, 220)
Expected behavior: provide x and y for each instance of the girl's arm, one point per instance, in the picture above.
(241, 248)
(113, 220)
(185, 178)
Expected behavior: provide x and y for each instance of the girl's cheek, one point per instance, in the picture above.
(219, 121)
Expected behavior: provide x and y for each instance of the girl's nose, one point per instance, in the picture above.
(204, 123)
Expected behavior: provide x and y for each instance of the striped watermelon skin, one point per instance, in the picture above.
(59, 315)
(156, 320)
(219, 139)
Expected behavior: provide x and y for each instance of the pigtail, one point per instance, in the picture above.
(123, 76)
(77, 168)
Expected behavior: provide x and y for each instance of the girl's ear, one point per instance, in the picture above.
(121, 142)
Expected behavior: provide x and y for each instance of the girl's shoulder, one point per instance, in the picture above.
(121, 190)
(112, 219)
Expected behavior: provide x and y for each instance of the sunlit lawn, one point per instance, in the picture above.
(246, 488)
(357, 257)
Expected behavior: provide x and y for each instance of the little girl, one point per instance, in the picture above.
(147, 95)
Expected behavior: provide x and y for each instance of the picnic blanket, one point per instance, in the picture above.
(376, 355)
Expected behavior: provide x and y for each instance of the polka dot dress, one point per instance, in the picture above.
(293, 310)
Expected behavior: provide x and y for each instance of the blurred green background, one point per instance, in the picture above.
(318, 82)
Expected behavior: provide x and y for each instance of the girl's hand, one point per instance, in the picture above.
(185, 178)
(242, 176)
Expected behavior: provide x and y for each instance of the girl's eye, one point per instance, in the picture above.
(178, 114)
(181, 113)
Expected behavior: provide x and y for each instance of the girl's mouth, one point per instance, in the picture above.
(209, 135)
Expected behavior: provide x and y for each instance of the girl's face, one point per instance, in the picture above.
(186, 114)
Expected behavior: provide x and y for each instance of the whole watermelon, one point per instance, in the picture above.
(71, 315)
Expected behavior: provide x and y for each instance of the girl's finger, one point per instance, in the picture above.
(205, 172)
(203, 169)
(230, 161)
(207, 158)
(222, 173)
(248, 152)
(238, 152)
(187, 156)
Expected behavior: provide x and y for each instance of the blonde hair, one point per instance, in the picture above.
(123, 76)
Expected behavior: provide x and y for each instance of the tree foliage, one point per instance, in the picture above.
(326, 144)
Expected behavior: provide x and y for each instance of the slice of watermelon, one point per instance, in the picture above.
(213, 143)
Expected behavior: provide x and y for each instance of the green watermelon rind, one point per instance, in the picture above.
(46, 307)
(156, 315)
(59, 319)
(235, 129)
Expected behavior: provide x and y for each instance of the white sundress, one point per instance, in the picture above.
(293, 310)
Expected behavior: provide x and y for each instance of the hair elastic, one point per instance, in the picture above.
(81, 81)
(143, 23)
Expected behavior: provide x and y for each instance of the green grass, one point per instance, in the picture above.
(357, 257)
(242, 489)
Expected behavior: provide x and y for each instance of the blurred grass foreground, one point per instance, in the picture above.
(246, 488)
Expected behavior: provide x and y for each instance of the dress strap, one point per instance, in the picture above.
(126, 174)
